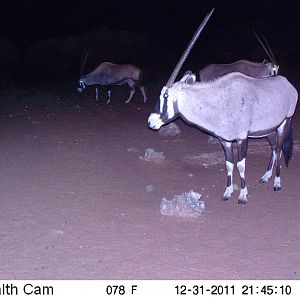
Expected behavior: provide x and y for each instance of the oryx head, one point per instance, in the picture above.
(81, 85)
(272, 66)
(168, 96)
(82, 65)
(168, 102)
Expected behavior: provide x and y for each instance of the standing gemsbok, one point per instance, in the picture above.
(233, 108)
(108, 74)
(249, 68)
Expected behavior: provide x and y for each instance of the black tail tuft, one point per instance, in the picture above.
(287, 147)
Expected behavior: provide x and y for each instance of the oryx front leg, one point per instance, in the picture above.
(228, 150)
(108, 94)
(97, 94)
(242, 152)
(131, 85)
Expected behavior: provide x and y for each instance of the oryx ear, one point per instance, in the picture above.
(189, 72)
(265, 61)
(189, 78)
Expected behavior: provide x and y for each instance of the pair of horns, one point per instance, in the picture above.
(266, 47)
(188, 49)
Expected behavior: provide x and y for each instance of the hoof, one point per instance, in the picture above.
(242, 201)
(277, 188)
(263, 180)
(225, 198)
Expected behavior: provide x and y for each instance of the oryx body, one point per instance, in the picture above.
(233, 108)
(250, 68)
(108, 74)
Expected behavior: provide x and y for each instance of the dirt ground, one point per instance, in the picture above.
(77, 202)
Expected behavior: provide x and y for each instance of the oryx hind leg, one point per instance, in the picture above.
(142, 88)
(131, 85)
(229, 157)
(241, 165)
(272, 139)
(282, 132)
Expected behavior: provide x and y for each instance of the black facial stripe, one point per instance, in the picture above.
(165, 106)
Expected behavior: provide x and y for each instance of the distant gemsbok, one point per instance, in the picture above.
(233, 108)
(249, 68)
(108, 74)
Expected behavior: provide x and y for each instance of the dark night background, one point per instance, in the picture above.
(47, 38)
(79, 197)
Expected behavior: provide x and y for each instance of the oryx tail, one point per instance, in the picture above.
(287, 147)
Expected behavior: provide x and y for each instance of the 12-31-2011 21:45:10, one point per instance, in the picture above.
(233, 290)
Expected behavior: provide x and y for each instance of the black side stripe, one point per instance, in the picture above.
(176, 111)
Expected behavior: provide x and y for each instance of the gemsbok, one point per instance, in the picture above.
(108, 74)
(250, 68)
(233, 108)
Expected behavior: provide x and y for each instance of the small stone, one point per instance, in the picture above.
(149, 188)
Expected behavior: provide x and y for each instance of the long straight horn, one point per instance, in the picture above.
(83, 61)
(188, 50)
(268, 51)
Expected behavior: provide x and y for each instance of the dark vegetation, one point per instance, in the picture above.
(153, 40)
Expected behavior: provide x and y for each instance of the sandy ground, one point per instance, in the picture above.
(78, 203)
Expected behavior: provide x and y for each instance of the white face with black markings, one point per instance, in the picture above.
(275, 69)
(168, 102)
(166, 110)
(82, 85)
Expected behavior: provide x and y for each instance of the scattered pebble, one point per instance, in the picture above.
(236, 187)
(153, 156)
(186, 205)
(149, 188)
(132, 149)
(170, 129)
